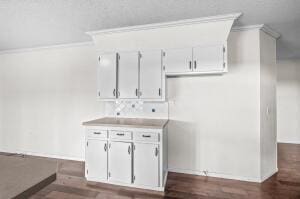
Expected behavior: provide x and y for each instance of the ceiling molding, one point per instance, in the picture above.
(261, 27)
(59, 46)
(233, 16)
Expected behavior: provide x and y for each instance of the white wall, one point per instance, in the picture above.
(45, 96)
(214, 120)
(288, 101)
(268, 133)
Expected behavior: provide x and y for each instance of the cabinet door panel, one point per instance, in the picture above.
(151, 75)
(120, 162)
(208, 58)
(96, 159)
(146, 167)
(128, 80)
(107, 76)
(178, 60)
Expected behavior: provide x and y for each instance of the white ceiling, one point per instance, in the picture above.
(33, 23)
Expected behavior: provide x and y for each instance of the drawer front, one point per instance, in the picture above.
(120, 135)
(95, 133)
(148, 137)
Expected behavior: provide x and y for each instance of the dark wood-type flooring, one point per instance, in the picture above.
(70, 184)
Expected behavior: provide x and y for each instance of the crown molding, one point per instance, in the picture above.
(60, 46)
(261, 27)
(233, 16)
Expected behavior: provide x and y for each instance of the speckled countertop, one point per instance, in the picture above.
(128, 122)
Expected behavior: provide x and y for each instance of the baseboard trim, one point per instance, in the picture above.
(216, 175)
(43, 155)
(288, 142)
(268, 175)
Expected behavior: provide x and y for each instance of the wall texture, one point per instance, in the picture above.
(268, 120)
(288, 101)
(45, 96)
(214, 120)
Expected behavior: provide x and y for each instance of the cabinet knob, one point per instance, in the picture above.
(129, 150)
(105, 147)
(156, 151)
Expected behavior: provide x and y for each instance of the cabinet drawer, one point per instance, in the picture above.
(148, 137)
(94, 133)
(120, 135)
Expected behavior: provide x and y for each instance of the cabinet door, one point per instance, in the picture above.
(146, 167)
(178, 60)
(128, 79)
(96, 159)
(107, 76)
(150, 75)
(208, 58)
(120, 162)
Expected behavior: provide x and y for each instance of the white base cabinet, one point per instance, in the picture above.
(96, 159)
(146, 164)
(134, 157)
(120, 162)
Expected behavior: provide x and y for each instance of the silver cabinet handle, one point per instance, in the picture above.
(120, 134)
(105, 147)
(190, 65)
(136, 92)
(159, 92)
(195, 64)
(97, 133)
(129, 150)
(156, 151)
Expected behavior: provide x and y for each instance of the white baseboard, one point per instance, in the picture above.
(289, 142)
(43, 155)
(269, 174)
(217, 175)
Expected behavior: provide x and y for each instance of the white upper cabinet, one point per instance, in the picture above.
(178, 60)
(120, 162)
(128, 75)
(208, 58)
(107, 76)
(146, 165)
(151, 74)
(96, 159)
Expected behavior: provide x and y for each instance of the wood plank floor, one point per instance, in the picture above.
(70, 184)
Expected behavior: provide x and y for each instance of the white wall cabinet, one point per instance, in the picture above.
(146, 165)
(128, 75)
(178, 60)
(107, 76)
(96, 159)
(151, 74)
(197, 60)
(134, 157)
(208, 58)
